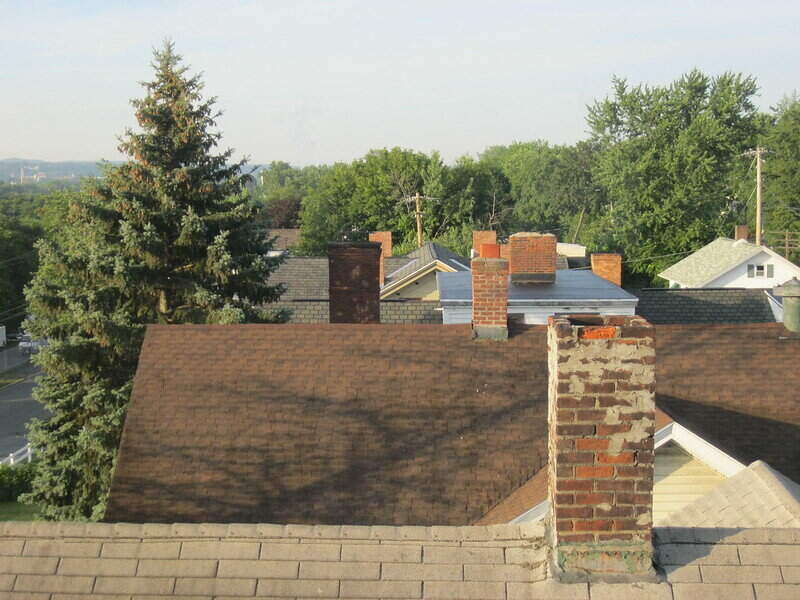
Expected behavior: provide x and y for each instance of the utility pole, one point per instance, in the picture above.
(758, 153)
(419, 219)
(417, 200)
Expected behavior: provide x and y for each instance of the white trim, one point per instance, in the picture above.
(466, 268)
(698, 448)
(537, 513)
(436, 265)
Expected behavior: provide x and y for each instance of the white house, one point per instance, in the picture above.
(727, 263)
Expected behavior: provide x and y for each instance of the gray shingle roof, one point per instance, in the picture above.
(710, 261)
(704, 305)
(424, 256)
(758, 496)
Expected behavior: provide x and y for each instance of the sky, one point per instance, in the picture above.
(312, 82)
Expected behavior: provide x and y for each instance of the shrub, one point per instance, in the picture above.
(15, 480)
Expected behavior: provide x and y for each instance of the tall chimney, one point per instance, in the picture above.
(483, 237)
(532, 258)
(742, 232)
(601, 418)
(608, 266)
(354, 269)
(384, 238)
(490, 298)
(790, 292)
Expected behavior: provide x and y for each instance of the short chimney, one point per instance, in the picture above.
(601, 418)
(490, 251)
(790, 292)
(532, 258)
(354, 269)
(483, 237)
(742, 232)
(490, 298)
(608, 266)
(384, 238)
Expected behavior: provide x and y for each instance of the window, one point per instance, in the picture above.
(761, 271)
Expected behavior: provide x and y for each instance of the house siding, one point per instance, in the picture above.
(680, 479)
(737, 277)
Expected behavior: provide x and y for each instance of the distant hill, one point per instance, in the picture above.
(41, 170)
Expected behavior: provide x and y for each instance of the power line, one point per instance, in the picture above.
(625, 262)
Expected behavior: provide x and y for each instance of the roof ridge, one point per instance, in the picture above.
(778, 484)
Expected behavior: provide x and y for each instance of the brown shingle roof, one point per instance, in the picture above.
(406, 424)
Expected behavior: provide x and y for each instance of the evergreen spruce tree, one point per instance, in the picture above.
(167, 237)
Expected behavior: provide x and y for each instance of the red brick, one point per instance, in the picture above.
(625, 524)
(643, 472)
(591, 444)
(614, 511)
(573, 458)
(616, 485)
(573, 402)
(607, 537)
(612, 429)
(563, 525)
(622, 458)
(607, 387)
(582, 485)
(594, 471)
(565, 416)
(597, 333)
(575, 429)
(592, 416)
(575, 512)
(565, 444)
(593, 499)
(593, 525)
(565, 499)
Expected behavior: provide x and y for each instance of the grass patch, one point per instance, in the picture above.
(15, 511)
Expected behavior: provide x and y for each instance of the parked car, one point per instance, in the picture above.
(28, 345)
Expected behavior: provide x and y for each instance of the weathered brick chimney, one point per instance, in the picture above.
(608, 266)
(742, 232)
(490, 298)
(482, 237)
(384, 238)
(354, 269)
(532, 258)
(601, 417)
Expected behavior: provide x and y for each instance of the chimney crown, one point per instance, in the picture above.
(532, 258)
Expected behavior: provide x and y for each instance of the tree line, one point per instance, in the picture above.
(661, 173)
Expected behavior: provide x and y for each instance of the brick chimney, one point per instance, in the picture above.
(490, 298)
(354, 269)
(384, 238)
(532, 258)
(490, 251)
(505, 251)
(608, 266)
(742, 232)
(482, 237)
(601, 418)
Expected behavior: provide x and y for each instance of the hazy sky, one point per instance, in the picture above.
(320, 81)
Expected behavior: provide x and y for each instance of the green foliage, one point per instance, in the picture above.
(167, 237)
(782, 171)
(16, 480)
(281, 189)
(667, 159)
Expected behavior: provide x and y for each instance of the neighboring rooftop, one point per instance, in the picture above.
(569, 285)
(421, 258)
(704, 305)
(382, 424)
(709, 262)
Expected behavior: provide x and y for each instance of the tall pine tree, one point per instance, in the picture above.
(167, 237)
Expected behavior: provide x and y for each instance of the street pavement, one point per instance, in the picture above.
(10, 357)
(17, 406)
